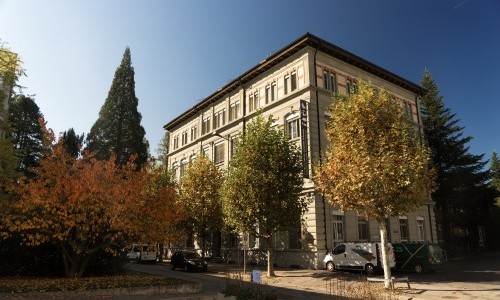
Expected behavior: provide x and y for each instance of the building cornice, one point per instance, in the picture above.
(307, 39)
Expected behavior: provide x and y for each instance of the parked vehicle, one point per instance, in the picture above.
(133, 253)
(358, 256)
(189, 261)
(145, 253)
(418, 257)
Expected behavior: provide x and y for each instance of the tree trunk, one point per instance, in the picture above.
(385, 256)
(270, 258)
(203, 244)
(216, 242)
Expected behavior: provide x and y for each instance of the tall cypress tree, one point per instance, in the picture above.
(118, 128)
(462, 198)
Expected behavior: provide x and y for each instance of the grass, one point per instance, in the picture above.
(129, 279)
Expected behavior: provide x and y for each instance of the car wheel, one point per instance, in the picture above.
(369, 269)
(418, 269)
(186, 268)
(330, 266)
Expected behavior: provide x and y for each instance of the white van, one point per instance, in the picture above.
(358, 256)
(142, 253)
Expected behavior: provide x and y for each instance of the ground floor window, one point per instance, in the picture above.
(362, 229)
(420, 229)
(338, 228)
(403, 228)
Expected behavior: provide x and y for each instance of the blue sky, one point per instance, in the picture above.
(183, 51)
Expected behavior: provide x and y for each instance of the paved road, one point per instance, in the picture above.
(475, 277)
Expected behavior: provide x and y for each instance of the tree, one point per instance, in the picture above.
(200, 196)
(10, 70)
(87, 205)
(163, 149)
(261, 191)
(118, 128)
(461, 199)
(72, 142)
(25, 132)
(495, 174)
(376, 164)
(8, 166)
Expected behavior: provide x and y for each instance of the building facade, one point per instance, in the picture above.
(295, 87)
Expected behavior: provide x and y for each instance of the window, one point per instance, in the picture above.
(233, 146)
(183, 168)
(293, 129)
(220, 118)
(205, 126)
(362, 229)
(174, 170)
(330, 81)
(184, 138)
(273, 91)
(338, 228)
(408, 110)
(403, 228)
(420, 229)
(234, 111)
(219, 153)
(286, 80)
(333, 82)
(206, 151)
(351, 86)
(253, 102)
(326, 80)
(268, 93)
(176, 142)
(294, 81)
(194, 132)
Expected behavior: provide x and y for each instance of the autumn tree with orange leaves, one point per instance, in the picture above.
(88, 205)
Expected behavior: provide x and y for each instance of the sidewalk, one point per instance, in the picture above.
(329, 284)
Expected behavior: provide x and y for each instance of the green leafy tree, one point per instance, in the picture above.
(25, 132)
(8, 165)
(495, 174)
(262, 187)
(72, 142)
(376, 164)
(462, 193)
(200, 196)
(118, 128)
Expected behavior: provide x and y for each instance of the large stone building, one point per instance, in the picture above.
(295, 86)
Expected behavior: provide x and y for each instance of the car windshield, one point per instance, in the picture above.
(191, 255)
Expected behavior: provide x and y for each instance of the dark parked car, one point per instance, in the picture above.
(189, 261)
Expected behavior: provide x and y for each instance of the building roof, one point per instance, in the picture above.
(307, 39)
